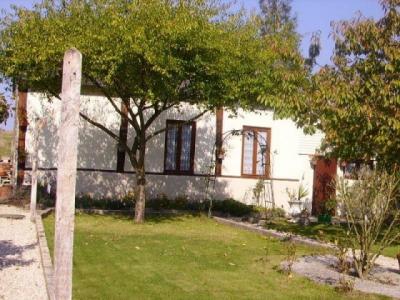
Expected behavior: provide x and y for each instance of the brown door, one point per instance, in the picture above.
(324, 175)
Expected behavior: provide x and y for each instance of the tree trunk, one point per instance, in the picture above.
(140, 195)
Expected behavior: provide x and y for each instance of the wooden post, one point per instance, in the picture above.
(34, 175)
(66, 174)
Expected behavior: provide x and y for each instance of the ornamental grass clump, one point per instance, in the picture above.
(371, 209)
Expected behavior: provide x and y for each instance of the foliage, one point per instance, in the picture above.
(232, 207)
(356, 101)
(287, 90)
(229, 207)
(290, 258)
(342, 246)
(146, 57)
(258, 190)
(277, 16)
(314, 49)
(330, 206)
(366, 205)
(182, 258)
(269, 213)
(297, 195)
(345, 285)
(4, 109)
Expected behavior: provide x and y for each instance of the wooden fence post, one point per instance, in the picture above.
(66, 174)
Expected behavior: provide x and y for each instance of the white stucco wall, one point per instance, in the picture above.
(289, 153)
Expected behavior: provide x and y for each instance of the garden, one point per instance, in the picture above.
(182, 257)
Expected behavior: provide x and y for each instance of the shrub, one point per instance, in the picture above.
(158, 203)
(366, 205)
(88, 202)
(276, 212)
(233, 207)
(269, 213)
(343, 265)
(44, 198)
(290, 256)
(228, 206)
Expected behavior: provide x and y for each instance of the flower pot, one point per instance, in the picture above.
(325, 218)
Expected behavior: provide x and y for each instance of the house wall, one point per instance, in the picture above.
(97, 156)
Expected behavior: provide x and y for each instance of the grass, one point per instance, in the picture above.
(324, 232)
(183, 257)
(5, 142)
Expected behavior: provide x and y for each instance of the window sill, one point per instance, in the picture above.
(266, 177)
(178, 173)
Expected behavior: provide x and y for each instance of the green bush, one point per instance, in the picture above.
(229, 207)
(233, 207)
(270, 213)
(43, 198)
(88, 202)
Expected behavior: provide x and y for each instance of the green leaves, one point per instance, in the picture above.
(4, 109)
(149, 49)
(357, 99)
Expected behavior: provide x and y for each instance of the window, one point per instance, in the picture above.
(351, 168)
(179, 147)
(256, 151)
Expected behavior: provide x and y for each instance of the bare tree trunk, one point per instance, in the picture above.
(140, 195)
(66, 174)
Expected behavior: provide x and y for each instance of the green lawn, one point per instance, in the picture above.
(324, 232)
(5, 142)
(182, 258)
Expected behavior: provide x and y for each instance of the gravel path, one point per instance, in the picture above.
(385, 279)
(21, 273)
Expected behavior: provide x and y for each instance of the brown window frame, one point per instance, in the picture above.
(267, 153)
(179, 147)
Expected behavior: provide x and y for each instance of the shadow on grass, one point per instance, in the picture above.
(155, 216)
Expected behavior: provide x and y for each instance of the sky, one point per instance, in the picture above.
(312, 16)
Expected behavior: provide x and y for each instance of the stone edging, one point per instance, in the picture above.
(274, 233)
(45, 254)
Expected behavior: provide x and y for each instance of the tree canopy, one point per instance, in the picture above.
(3, 109)
(277, 16)
(147, 56)
(357, 100)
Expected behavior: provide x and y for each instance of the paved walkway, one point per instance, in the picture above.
(21, 273)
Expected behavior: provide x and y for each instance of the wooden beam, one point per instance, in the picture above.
(218, 140)
(22, 126)
(66, 174)
(123, 136)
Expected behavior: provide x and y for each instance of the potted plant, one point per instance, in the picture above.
(296, 199)
(328, 210)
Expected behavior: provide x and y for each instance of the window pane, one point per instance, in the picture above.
(186, 147)
(261, 152)
(170, 160)
(248, 152)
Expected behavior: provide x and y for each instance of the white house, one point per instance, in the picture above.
(180, 161)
